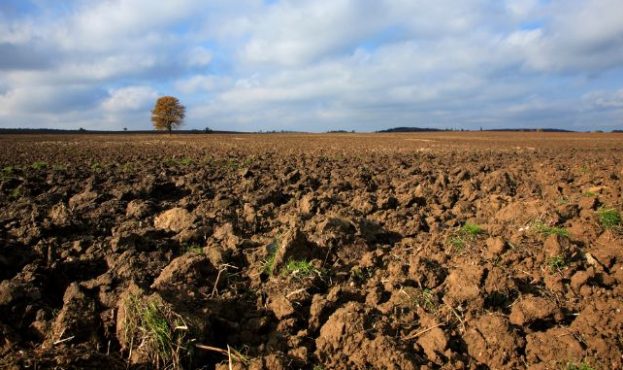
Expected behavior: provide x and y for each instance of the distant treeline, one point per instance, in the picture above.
(532, 130)
(99, 132)
(411, 129)
(210, 131)
(427, 129)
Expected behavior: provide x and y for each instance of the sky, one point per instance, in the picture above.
(313, 65)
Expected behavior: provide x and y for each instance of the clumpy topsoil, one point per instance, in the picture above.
(311, 252)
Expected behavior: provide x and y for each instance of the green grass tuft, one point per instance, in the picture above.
(269, 263)
(466, 233)
(609, 217)
(15, 193)
(39, 165)
(194, 248)
(300, 268)
(471, 229)
(427, 300)
(150, 323)
(457, 242)
(580, 366)
(543, 229)
(557, 263)
(185, 161)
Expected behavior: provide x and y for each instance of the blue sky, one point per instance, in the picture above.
(313, 65)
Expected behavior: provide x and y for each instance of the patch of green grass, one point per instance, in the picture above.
(300, 268)
(581, 366)
(39, 165)
(248, 161)
(151, 324)
(427, 300)
(466, 233)
(609, 217)
(15, 193)
(8, 170)
(269, 263)
(194, 248)
(127, 167)
(589, 194)
(557, 263)
(232, 164)
(545, 230)
(156, 326)
(318, 367)
(457, 242)
(471, 229)
(96, 167)
(185, 161)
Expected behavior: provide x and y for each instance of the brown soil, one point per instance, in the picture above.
(208, 229)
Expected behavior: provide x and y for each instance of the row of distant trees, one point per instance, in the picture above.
(169, 113)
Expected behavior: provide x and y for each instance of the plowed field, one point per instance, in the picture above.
(345, 251)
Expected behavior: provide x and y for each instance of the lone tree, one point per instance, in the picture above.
(168, 113)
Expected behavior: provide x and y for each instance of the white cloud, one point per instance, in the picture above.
(315, 64)
(580, 36)
(202, 83)
(604, 99)
(130, 98)
(199, 57)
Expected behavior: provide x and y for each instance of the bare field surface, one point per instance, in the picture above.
(450, 250)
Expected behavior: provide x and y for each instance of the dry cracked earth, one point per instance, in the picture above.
(345, 251)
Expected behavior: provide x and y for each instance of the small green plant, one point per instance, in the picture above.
(457, 242)
(581, 366)
(471, 229)
(8, 170)
(466, 233)
(248, 161)
(589, 194)
(15, 193)
(609, 217)
(269, 263)
(545, 230)
(300, 268)
(194, 249)
(232, 164)
(185, 161)
(39, 165)
(557, 263)
(318, 367)
(127, 167)
(96, 167)
(150, 323)
(427, 300)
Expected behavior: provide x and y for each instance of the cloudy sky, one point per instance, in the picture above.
(313, 65)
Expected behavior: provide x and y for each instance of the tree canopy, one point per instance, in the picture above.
(168, 113)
